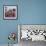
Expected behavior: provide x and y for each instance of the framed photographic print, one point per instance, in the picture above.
(10, 12)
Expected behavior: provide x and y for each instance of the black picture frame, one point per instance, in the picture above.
(10, 12)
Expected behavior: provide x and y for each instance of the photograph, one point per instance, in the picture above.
(10, 11)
